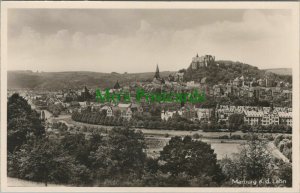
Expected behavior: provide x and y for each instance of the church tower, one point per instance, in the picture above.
(157, 73)
(117, 85)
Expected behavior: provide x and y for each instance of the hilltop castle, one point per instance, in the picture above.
(202, 61)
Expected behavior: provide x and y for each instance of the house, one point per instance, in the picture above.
(83, 104)
(166, 115)
(189, 114)
(288, 94)
(204, 114)
(136, 108)
(253, 117)
(108, 109)
(179, 76)
(192, 84)
(285, 118)
(236, 82)
(270, 119)
(125, 110)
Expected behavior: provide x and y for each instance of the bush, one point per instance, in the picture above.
(237, 137)
(269, 137)
(224, 137)
(277, 139)
(250, 136)
(197, 136)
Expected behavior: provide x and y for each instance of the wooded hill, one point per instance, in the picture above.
(223, 71)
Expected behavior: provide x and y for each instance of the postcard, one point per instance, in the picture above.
(149, 96)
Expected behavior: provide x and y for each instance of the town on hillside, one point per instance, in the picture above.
(264, 103)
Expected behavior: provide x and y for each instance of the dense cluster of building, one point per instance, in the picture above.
(261, 89)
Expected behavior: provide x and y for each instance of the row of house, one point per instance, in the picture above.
(252, 115)
(201, 114)
(256, 115)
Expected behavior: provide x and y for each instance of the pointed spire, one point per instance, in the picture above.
(197, 55)
(117, 85)
(157, 72)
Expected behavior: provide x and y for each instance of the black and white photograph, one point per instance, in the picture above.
(127, 95)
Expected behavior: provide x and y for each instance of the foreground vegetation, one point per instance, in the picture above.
(119, 158)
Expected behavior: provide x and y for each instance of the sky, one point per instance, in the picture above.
(136, 40)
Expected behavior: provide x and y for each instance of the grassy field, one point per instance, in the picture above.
(222, 148)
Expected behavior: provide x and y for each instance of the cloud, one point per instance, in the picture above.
(260, 39)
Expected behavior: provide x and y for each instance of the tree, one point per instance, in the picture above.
(253, 162)
(121, 155)
(285, 173)
(44, 161)
(235, 121)
(194, 158)
(23, 123)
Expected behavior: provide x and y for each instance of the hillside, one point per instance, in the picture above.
(229, 70)
(214, 74)
(281, 71)
(60, 80)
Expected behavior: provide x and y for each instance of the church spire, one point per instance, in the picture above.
(117, 85)
(157, 72)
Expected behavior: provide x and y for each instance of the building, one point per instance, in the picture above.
(189, 114)
(166, 115)
(125, 110)
(117, 85)
(179, 76)
(285, 118)
(108, 109)
(270, 119)
(192, 84)
(204, 114)
(253, 117)
(157, 79)
(202, 61)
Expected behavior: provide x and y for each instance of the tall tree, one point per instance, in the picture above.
(192, 157)
(23, 123)
(253, 162)
(121, 155)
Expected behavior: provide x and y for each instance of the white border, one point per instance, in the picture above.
(293, 6)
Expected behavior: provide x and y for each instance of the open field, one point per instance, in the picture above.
(222, 149)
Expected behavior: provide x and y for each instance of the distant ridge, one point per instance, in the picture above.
(220, 71)
(74, 79)
(280, 71)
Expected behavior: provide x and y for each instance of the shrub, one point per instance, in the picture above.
(224, 137)
(237, 137)
(270, 137)
(277, 139)
(197, 136)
